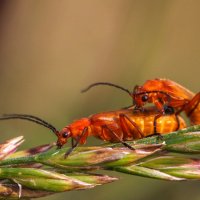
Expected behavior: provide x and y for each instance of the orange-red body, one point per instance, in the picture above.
(180, 97)
(121, 125)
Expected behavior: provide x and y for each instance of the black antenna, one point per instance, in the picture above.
(30, 118)
(126, 90)
(108, 84)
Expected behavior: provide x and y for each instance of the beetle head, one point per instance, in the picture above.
(63, 136)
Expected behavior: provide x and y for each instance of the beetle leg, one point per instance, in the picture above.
(192, 105)
(126, 128)
(139, 109)
(155, 126)
(178, 122)
(112, 133)
(128, 107)
(72, 142)
(179, 111)
(81, 138)
(155, 123)
(159, 106)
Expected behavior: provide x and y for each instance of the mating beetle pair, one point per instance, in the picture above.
(136, 122)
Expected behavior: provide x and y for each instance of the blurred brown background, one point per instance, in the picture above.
(50, 50)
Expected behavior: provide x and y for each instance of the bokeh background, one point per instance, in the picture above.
(50, 50)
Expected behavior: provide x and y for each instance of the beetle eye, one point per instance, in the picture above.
(144, 98)
(65, 135)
